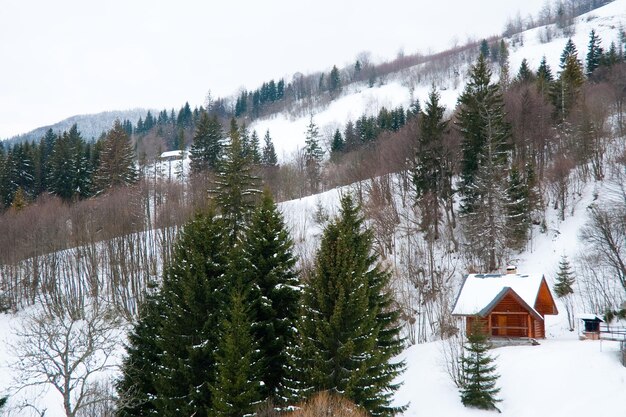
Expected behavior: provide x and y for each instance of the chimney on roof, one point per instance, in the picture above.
(511, 270)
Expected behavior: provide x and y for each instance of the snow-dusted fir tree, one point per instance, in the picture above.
(564, 289)
(273, 293)
(237, 388)
(485, 145)
(236, 187)
(268, 158)
(255, 148)
(117, 160)
(207, 144)
(69, 171)
(479, 372)
(349, 333)
(313, 154)
(430, 174)
(193, 298)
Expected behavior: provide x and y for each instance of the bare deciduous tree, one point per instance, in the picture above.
(69, 350)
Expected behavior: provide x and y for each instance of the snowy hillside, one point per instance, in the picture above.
(91, 126)
(288, 132)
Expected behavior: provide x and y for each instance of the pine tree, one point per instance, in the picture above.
(484, 48)
(207, 144)
(236, 391)
(235, 187)
(518, 209)
(337, 145)
(430, 174)
(334, 83)
(313, 154)
(485, 146)
(268, 159)
(566, 89)
(255, 148)
(594, 53)
(194, 294)
(269, 268)
(564, 288)
(524, 75)
(136, 388)
(545, 79)
(117, 160)
(479, 386)
(349, 332)
(503, 63)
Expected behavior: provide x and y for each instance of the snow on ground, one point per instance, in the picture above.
(564, 377)
(288, 132)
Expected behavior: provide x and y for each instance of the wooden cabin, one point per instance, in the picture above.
(510, 305)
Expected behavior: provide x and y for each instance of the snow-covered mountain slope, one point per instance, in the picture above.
(288, 131)
(90, 126)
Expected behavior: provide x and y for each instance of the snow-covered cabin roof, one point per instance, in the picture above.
(481, 291)
(589, 316)
(172, 155)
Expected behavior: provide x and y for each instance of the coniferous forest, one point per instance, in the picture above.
(229, 310)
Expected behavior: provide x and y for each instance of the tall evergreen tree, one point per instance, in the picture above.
(269, 158)
(349, 333)
(479, 387)
(334, 82)
(566, 89)
(236, 391)
(564, 289)
(207, 144)
(524, 74)
(545, 78)
(255, 148)
(337, 145)
(594, 53)
(313, 154)
(485, 145)
(136, 388)
(274, 293)
(430, 176)
(518, 208)
(236, 188)
(194, 293)
(117, 160)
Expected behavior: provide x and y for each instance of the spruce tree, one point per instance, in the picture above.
(334, 83)
(255, 148)
(485, 146)
(206, 146)
(136, 388)
(524, 74)
(349, 333)
(116, 161)
(268, 159)
(479, 386)
(70, 176)
(430, 176)
(195, 294)
(235, 187)
(273, 293)
(594, 53)
(337, 145)
(518, 208)
(564, 288)
(566, 89)
(313, 154)
(236, 391)
(545, 79)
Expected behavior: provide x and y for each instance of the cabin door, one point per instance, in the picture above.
(501, 324)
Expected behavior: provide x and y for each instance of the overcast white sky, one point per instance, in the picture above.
(66, 57)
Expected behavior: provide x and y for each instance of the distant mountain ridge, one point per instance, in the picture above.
(90, 126)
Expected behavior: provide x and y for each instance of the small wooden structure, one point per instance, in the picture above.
(510, 305)
(591, 326)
